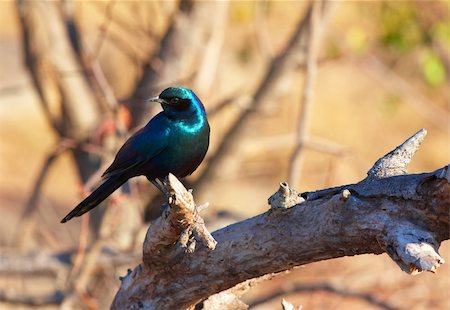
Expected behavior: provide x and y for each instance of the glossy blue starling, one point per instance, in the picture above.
(174, 141)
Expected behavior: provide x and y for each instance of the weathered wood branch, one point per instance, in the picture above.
(404, 215)
(179, 227)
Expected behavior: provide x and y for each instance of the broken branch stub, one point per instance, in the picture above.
(285, 197)
(404, 215)
(396, 161)
(177, 229)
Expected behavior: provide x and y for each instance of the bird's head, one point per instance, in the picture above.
(179, 100)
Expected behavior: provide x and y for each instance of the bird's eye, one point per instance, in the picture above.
(175, 100)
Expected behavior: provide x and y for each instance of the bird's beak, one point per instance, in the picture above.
(156, 99)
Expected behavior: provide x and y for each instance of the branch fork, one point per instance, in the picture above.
(285, 197)
(178, 229)
(404, 215)
(413, 249)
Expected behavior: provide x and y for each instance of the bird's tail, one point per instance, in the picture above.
(96, 197)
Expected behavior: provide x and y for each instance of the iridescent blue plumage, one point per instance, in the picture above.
(174, 141)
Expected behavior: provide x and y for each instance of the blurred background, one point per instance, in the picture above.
(313, 93)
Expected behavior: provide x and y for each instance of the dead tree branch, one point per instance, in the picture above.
(37, 301)
(397, 85)
(404, 215)
(212, 50)
(175, 56)
(315, 25)
(287, 61)
(56, 70)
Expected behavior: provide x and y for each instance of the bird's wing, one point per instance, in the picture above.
(141, 147)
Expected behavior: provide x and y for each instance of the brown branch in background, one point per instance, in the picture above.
(261, 30)
(295, 163)
(91, 63)
(123, 23)
(83, 270)
(135, 54)
(206, 74)
(122, 37)
(397, 85)
(311, 288)
(27, 220)
(91, 66)
(50, 58)
(54, 267)
(103, 84)
(285, 62)
(82, 244)
(31, 62)
(176, 52)
(285, 141)
(235, 99)
(103, 31)
(87, 299)
(32, 301)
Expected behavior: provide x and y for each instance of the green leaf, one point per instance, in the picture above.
(433, 70)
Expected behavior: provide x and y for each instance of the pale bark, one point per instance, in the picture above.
(175, 59)
(67, 99)
(404, 215)
(65, 93)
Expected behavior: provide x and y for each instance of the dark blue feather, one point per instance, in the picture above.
(174, 141)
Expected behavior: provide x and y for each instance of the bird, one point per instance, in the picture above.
(174, 141)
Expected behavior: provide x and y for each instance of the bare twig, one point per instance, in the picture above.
(27, 221)
(87, 299)
(279, 142)
(286, 61)
(58, 77)
(397, 85)
(232, 100)
(103, 84)
(261, 31)
(310, 288)
(34, 301)
(174, 57)
(296, 160)
(82, 244)
(103, 28)
(212, 50)
(55, 267)
(123, 23)
(50, 56)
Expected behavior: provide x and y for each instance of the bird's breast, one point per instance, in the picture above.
(189, 142)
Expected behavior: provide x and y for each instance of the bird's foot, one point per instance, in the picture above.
(161, 186)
